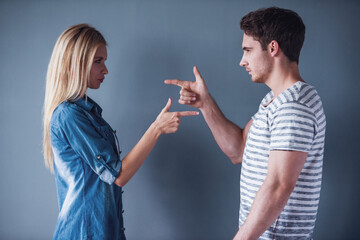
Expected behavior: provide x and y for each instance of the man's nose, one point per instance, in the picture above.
(243, 62)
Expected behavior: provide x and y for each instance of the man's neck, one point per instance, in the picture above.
(283, 76)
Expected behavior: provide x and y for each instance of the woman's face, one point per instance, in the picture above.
(98, 68)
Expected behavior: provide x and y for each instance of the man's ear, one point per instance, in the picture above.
(273, 48)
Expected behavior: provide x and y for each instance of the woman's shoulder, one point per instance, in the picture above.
(65, 112)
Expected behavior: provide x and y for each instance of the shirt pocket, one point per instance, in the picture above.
(105, 131)
(110, 135)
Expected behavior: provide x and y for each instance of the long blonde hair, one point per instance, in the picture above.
(68, 74)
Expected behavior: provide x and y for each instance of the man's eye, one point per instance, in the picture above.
(97, 61)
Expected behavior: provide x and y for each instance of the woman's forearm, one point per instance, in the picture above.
(166, 122)
(136, 157)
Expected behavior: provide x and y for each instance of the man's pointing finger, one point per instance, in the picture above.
(180, 83)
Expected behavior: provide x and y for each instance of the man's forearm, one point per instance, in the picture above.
(267, 206)
(228, 135)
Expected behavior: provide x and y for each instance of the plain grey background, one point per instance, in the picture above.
(187, 188)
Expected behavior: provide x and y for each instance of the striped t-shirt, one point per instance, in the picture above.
(294, 120)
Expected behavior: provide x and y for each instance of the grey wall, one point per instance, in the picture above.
(187, 188)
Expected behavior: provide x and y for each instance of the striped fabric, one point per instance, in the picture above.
(294, 120)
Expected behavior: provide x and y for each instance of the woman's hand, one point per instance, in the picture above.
(168, 122)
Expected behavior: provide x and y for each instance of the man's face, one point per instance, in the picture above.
(98, 68)
(255, 60)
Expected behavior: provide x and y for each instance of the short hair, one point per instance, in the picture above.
(282, 25)
(68, 73)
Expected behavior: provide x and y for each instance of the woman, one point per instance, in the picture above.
(79, 145)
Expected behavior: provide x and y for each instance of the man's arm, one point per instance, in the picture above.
(230, 137)
(284, 168)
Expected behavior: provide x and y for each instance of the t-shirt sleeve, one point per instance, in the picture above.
(95, 149)
(292, 128)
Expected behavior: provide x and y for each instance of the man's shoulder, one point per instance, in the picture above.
(300, 94)
(306, 94)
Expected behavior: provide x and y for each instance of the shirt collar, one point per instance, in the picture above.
(89, 105)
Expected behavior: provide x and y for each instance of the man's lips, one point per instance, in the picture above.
(101, 79)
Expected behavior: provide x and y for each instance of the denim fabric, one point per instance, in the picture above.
(86, 163)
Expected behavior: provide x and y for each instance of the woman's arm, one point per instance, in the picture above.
(166, 122)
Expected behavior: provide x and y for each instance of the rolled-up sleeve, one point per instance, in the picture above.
(87, 141)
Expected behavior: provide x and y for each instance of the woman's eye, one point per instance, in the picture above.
(97, 61)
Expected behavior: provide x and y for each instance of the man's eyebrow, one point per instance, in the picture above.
(99, 57)
(247, 48)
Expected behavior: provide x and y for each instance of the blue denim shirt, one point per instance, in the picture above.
(86, 163)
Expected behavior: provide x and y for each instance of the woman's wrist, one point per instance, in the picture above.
(155, 129)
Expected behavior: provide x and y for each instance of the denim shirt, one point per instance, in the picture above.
(86, 163)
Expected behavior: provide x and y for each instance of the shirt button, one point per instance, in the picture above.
(122, 229)
(98, 157)
(122, 211)
(122, 191)
(120, 152)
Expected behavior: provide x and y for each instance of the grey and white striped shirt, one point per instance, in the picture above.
(294, 120)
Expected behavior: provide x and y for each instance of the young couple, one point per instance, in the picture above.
(280, 148)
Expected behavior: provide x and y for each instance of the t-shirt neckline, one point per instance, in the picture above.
(270, 100)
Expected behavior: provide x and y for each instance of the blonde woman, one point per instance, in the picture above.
(81, 148)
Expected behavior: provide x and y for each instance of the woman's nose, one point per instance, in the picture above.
(105, 70)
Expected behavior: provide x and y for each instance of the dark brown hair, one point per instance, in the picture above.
(282, 25)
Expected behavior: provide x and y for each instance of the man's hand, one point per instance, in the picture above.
(230, 137)
(168, 122)
(193, 94)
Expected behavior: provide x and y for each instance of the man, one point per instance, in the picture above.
(281, 147)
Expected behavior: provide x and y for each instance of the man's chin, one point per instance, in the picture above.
(257, 80)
